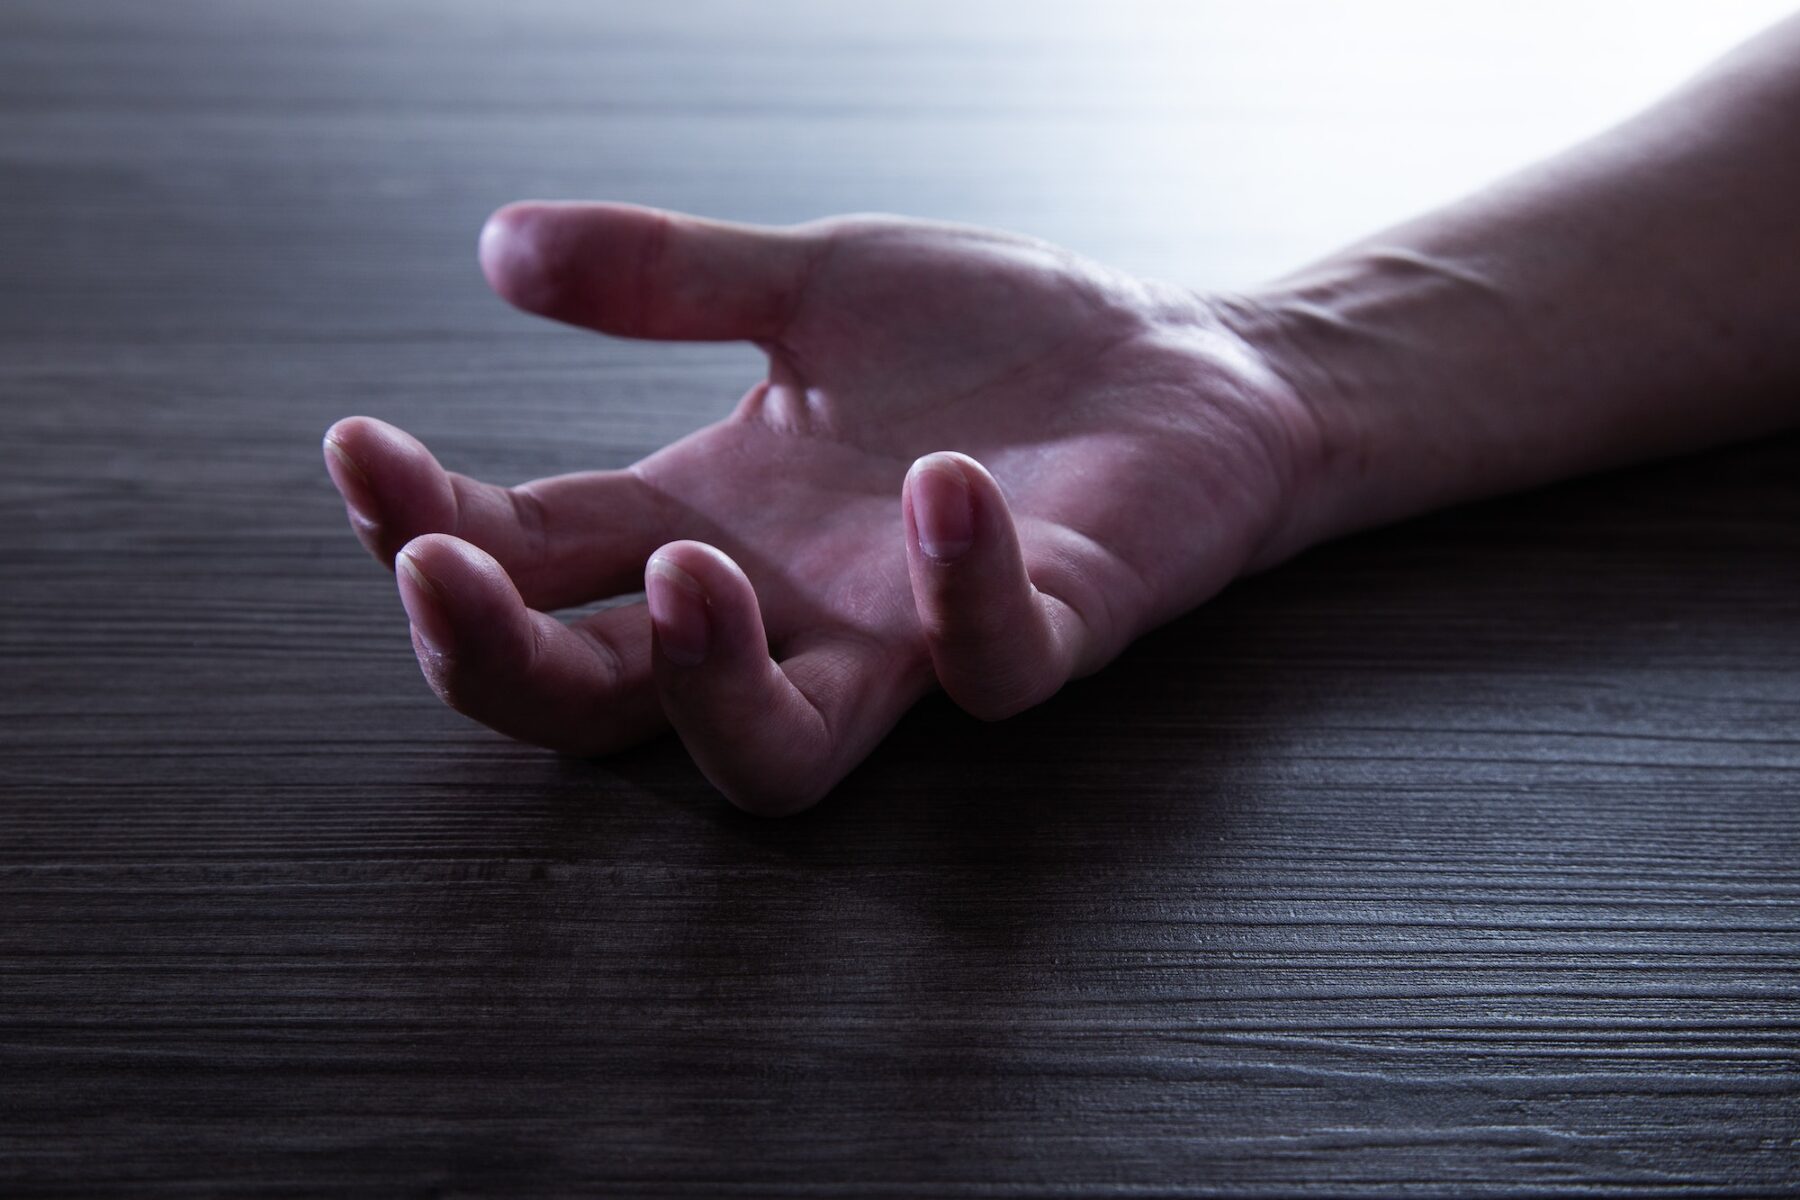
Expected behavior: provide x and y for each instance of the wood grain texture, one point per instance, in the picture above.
(1459, 859)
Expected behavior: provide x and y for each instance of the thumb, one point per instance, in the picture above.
(998, 644)
(647, 273)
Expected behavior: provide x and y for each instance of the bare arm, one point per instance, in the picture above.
(1635, 296)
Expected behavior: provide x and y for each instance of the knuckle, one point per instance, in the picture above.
(996, 700)
(983, 630)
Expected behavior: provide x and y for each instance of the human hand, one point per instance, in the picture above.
(978, 461)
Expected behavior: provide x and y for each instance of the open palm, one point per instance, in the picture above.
(978, 461)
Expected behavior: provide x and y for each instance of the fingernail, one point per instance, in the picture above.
(943, 511)
(678, 610)
(350, 481)
(424, 605)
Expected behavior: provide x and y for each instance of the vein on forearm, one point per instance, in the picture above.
(1635, 296)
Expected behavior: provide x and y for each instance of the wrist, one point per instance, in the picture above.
(1401, 363)
(1306, 398)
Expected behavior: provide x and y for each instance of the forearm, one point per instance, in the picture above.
(1636, 296)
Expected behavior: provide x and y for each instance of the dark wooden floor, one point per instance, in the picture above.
(1462, 858)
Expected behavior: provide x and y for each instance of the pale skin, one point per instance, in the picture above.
(984, 464)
